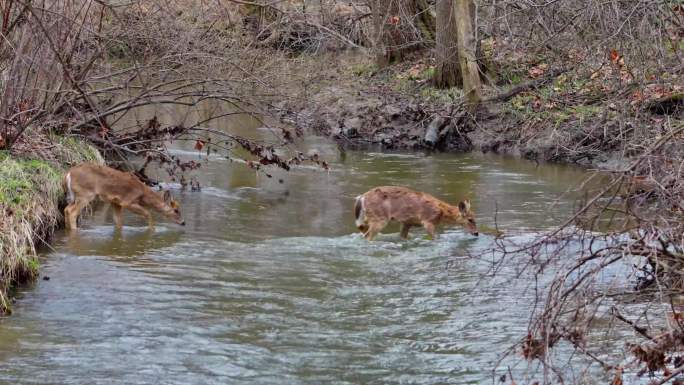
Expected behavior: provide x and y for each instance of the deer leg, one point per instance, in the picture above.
(72, 211)
(76, 211)
(430, 228)
(374, 229)
(136, 208)
(69, 223)
(117, 215)
(370, 234)
(67, 217)
(404, 230)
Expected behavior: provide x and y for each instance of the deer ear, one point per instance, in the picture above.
(464, 206)
(167, 196)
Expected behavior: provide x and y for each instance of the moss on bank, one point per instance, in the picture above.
(30, 195)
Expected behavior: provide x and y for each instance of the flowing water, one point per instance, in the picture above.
(270, 284)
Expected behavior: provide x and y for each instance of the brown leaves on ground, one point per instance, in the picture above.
(655, 91)
(616, 58)
(538, 70)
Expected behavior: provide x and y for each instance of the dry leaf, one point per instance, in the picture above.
(538, 71)
(536, 104)
(614, 56)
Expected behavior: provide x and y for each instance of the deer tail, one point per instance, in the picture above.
(360, 213)
(67, 188)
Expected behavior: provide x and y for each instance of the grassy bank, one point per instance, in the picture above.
(30, 196)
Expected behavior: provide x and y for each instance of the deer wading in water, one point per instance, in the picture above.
(87, 181)
(381, 205)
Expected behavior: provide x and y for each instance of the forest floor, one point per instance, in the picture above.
(568, 113)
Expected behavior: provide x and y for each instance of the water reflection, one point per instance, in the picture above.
(129, 241)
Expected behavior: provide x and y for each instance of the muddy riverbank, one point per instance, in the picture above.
(396, 108)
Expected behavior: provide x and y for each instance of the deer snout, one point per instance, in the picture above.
(175, 215)
(472, 227)
(177, 218)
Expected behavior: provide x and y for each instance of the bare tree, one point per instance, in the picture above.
(165, 62)
(466, 52)
(447, 68)
(400, 26)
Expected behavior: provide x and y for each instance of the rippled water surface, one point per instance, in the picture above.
(269, 283)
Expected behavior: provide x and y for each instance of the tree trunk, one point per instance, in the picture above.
(399, 27)
(466, 52)
(378, 32)
(447, 69)
(425, 22)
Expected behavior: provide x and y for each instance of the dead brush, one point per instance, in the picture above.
(634, 225)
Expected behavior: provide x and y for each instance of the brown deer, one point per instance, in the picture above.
(87, 181)
(381, 205)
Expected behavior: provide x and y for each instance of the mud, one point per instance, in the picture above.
(365, 113)
(377, 116)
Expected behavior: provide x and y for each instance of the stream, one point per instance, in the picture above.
(269, 282)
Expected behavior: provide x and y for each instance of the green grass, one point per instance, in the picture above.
(427, 73)
(583, 111)
(514, 79)
(365, 69)
(29, 194)
(547, 109)
(71, 151)
(20, 179)
(448, 95)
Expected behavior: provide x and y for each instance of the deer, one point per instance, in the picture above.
(379, 206)
(122, 190)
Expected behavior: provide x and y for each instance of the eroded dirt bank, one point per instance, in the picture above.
(562, 115)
